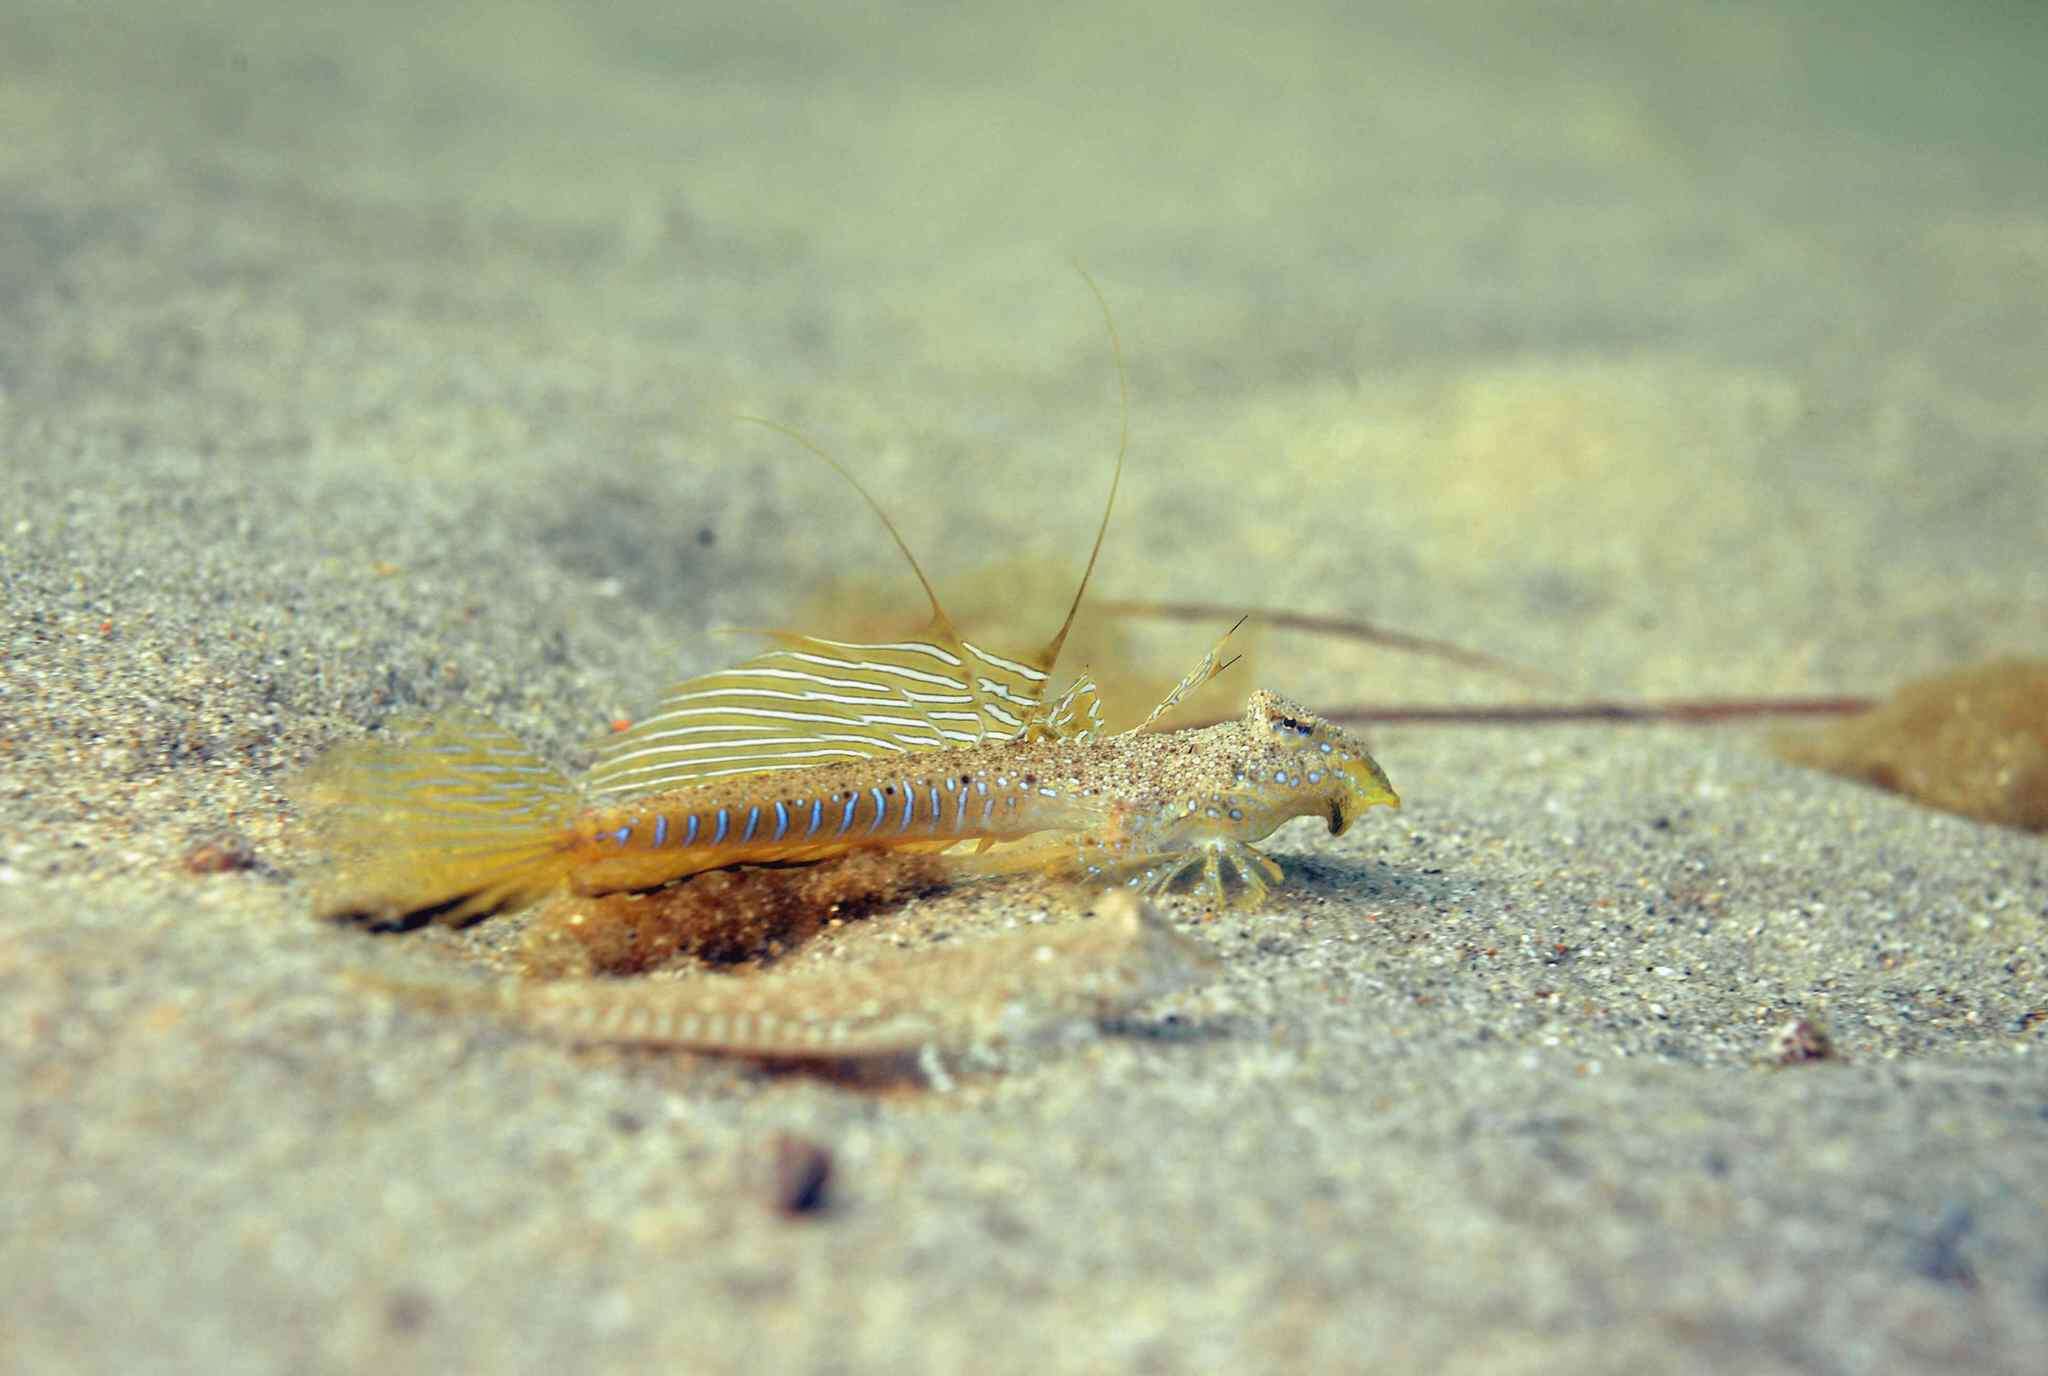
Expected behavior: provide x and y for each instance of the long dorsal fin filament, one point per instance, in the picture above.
(942, 624)
(810, 701)
(1050, 655)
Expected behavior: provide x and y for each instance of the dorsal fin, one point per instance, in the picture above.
(1050, 655)
(942, 624)
(1211, 665)
(810, 701)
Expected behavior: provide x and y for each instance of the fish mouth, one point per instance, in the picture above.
(1341, 816)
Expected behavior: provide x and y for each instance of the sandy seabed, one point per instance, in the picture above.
(388, 362)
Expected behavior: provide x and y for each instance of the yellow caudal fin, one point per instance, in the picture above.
(451, 819)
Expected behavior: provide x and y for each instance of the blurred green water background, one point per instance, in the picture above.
(1559, 305)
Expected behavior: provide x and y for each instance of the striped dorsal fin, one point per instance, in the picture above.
(1211, 665)
(810, 702)
(1075, 715)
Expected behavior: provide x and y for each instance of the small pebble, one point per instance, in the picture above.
(802, 1176)
(220, 855)
(1801, 1040)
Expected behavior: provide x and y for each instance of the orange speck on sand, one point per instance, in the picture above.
(161, 1018)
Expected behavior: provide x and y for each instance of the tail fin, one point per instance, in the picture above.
(451, 819)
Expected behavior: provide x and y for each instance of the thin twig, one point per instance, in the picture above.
(1330, 625)
(1688, 711)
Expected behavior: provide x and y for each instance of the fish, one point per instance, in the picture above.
(817, 748)
(1010, 989)
(459, 822)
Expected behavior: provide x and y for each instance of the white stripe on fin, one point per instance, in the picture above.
(809, 702)
(861, 698)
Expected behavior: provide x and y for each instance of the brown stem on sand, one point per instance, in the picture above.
(1700, 711)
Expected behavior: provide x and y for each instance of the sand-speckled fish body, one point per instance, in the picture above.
(816, 748)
